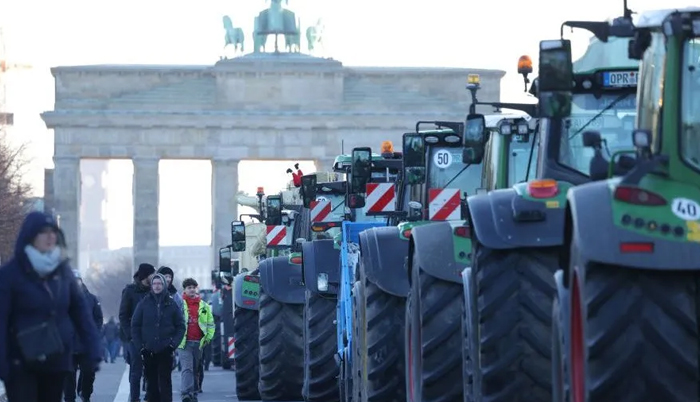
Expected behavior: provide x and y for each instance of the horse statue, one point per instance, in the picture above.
(234, 36)
(314, 35)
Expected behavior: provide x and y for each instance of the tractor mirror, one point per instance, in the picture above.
(273, 210)
(308, 189)
(475, 137)
(237, 236)
(556, 76)
(361, 169)
(414, 158)
(413, 150)
(225, 259)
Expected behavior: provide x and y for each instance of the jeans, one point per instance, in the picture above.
(27, 386)
(85, 382)
(135, 371)
(158, 373)
(190, 360)
(111, 349)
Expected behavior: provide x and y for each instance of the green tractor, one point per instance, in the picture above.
(517, 231)
(627, 307)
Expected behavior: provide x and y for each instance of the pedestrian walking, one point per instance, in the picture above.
(169, 275)
(111, 335)
(200, 331)
(157, 328)
(131, 296)
(41, 309)
(85, 383)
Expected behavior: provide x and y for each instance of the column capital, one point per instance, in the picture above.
(140, 158)
(66, 159)
(225, 161)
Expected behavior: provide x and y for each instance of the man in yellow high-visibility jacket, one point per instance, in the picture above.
(200, 331)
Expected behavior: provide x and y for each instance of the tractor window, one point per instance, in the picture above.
(615, 124)
(690, 100)
(651, 84)
(446, 170)
(519, 157)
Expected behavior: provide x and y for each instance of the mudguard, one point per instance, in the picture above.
(383, 255)
(320, 256)
(282, 280)
(470, 316)
(562, 293)
(246, 290)
(492, 220)
(598, 239)
(433, 248)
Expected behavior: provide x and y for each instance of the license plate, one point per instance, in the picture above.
(620, 79)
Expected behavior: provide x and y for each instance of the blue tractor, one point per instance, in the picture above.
(369, 197)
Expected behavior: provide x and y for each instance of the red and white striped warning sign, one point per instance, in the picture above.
(381, 197)
(320, 210)
(444, 204)
(231, 347)
(276, 235)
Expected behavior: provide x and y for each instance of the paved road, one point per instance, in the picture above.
(112, 385)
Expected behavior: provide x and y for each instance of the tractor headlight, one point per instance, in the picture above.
(523, 128)
(322, 282)
(505, 128)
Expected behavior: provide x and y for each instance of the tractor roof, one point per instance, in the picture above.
(656, 18)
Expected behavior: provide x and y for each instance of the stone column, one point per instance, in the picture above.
(324, 164)
(66, 199)
(224, 187)
(146, 200)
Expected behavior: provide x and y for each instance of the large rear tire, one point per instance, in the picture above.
(515, 289)
(560, 386)
(246, 332)
(381, 354)
(281, 350)
(358, 294)
(321, 346)
(640, 334)
(434, 358)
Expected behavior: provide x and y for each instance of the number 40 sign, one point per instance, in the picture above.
(686, 209)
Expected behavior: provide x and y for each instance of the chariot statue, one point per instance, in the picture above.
(278, 21)
(234, 36)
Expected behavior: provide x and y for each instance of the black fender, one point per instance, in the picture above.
(319, 256)
(244, 300)
(598, 238)
(433, 249)
(383, 255)
(563, 294)
(492, 218)
(282, 280)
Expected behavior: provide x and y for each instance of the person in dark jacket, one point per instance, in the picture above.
(37, 287)
(157, 328)
(86, 380)
(111, 335)
(131, 296)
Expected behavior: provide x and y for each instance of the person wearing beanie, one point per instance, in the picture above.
(132, 294)
(157, 329)
(41, 309)
(169, 275)
(200, 331)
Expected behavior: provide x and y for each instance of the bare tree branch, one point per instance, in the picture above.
(14, 193)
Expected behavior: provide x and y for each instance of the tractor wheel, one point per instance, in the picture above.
(514, 294)
(281, 350)
(638, 330)
(245, 330)
(381, 353)
(468, 338)
(434, 339)
(358, 294)
(321, 345)
(560, 376)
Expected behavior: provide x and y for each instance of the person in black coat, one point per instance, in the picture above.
(40, 298)
(158, 327)
(86, 380)
(111, 335)
(131, 296)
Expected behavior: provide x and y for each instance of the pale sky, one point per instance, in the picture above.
(436, 33)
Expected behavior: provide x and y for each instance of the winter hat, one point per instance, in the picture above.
(158, 276)
(166, 271)
(189, 282)
(145, 269)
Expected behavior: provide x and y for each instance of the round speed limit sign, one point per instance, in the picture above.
(442, 159)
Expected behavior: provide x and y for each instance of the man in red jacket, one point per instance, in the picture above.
(200, 331)
(296, 177)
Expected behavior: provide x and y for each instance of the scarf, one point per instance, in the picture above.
(43, 263)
